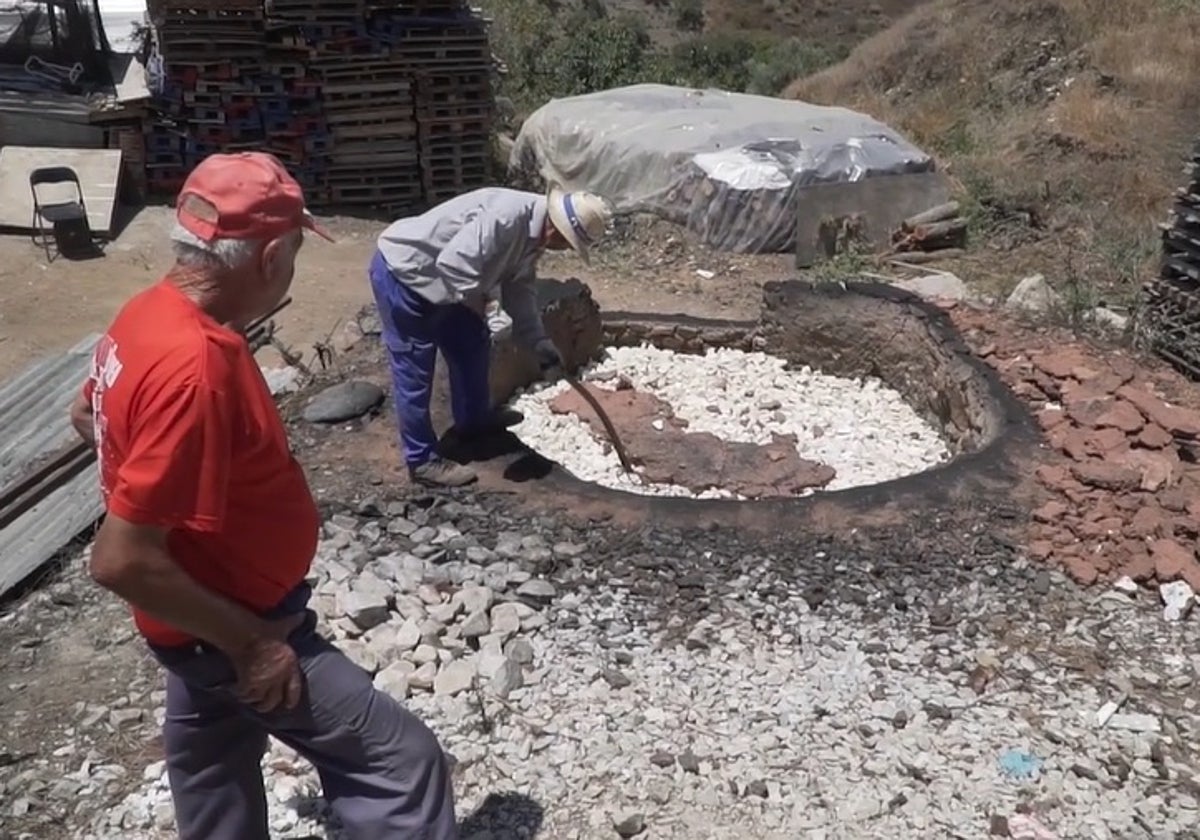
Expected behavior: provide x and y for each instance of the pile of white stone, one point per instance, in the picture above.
(764, 720)
(860, 427)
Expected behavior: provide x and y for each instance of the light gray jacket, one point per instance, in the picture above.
(484, 244)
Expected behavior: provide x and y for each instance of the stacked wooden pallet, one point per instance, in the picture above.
(379, 103)
(1170, 321)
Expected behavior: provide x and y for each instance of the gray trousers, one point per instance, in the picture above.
(381, 769)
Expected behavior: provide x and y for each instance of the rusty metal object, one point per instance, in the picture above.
(608, 426)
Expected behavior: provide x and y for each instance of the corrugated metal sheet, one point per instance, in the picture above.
(47, 527)
(34, 405)
(33, 414)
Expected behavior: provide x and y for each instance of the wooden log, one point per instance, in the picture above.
(934, 214)
(924, 257)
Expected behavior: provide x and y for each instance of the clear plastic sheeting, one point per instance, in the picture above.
(731, 167)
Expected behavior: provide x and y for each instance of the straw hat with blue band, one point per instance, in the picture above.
(582, 218)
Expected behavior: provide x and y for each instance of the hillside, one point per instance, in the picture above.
(1064, 121)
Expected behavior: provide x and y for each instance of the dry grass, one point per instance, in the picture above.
(1072, 114)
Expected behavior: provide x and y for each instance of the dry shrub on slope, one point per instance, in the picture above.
(1065, 122)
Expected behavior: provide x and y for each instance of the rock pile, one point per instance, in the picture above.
(665, 452)
(563, 681)
(1122, 475)
(865, 432)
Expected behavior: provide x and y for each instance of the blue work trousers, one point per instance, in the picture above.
(413, 331)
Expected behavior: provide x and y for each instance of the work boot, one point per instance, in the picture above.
(438, 472)
(497, 421)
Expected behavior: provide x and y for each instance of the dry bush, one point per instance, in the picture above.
(1069, 118)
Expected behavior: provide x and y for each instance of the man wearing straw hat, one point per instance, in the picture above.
(433, 276)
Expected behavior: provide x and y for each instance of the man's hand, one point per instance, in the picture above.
(268, 674)
(81, 419)
(549, 359)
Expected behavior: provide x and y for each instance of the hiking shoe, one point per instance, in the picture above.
(497, 421)
(439, 472)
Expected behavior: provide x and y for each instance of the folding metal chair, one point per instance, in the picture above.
(66, 218)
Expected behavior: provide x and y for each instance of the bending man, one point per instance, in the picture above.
(211, 530)
(433, 276)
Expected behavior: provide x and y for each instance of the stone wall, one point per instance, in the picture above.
(871, 330)
(683, 335)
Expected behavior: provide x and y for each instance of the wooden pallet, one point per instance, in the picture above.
(446, 130)
(396, 118)
(387, 194)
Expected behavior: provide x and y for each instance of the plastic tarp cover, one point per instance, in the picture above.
(731, 167)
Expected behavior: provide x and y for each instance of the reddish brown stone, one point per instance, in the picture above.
(1122, 416)
(1081, 570)
(1052, 476)
(1076, 443)
(1154, 436)
(1104, 441)
(1140, 567)
(1170, 559)
(1184, 526)
(1150, 521)
(1041, 549)
(1087, 411)
(1059, 362)
(1191, 574)
(1156, 470)
(1175, 499)
(1100, 528)
(1050, 418)
(1180, 421)
(1052, 511)
(696, 460)
(1127, 503)
(1029, 392)
(1106, 475)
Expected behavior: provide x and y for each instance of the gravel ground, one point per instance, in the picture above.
(863, 429)
(919, 681)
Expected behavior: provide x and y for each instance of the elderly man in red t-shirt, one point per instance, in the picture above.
(211, 530)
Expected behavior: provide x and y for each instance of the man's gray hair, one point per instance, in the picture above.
(218, 256)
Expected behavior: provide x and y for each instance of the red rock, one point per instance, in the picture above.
(1106, 475)
(1192, 506)
(1154, 436)
(696, 460)
(1088, 410)
(1122, 416)
(1050, 418)
(1176, 500)
(1103, 441)
(1075, 443)
(1140, 567)
(1081, 570)
(1059, 362)
(1041, 549)
(1191, 574)
(1127, 503)
(1148, 522)
(1052, 511)
(1052, 476)
(1184, 526)
(1155, 469)
(1179, 421)
(1170, 559)
(1103, 528)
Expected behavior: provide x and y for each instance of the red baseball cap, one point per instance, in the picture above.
(245, 195)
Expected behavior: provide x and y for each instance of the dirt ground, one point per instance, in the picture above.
(46, 307)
